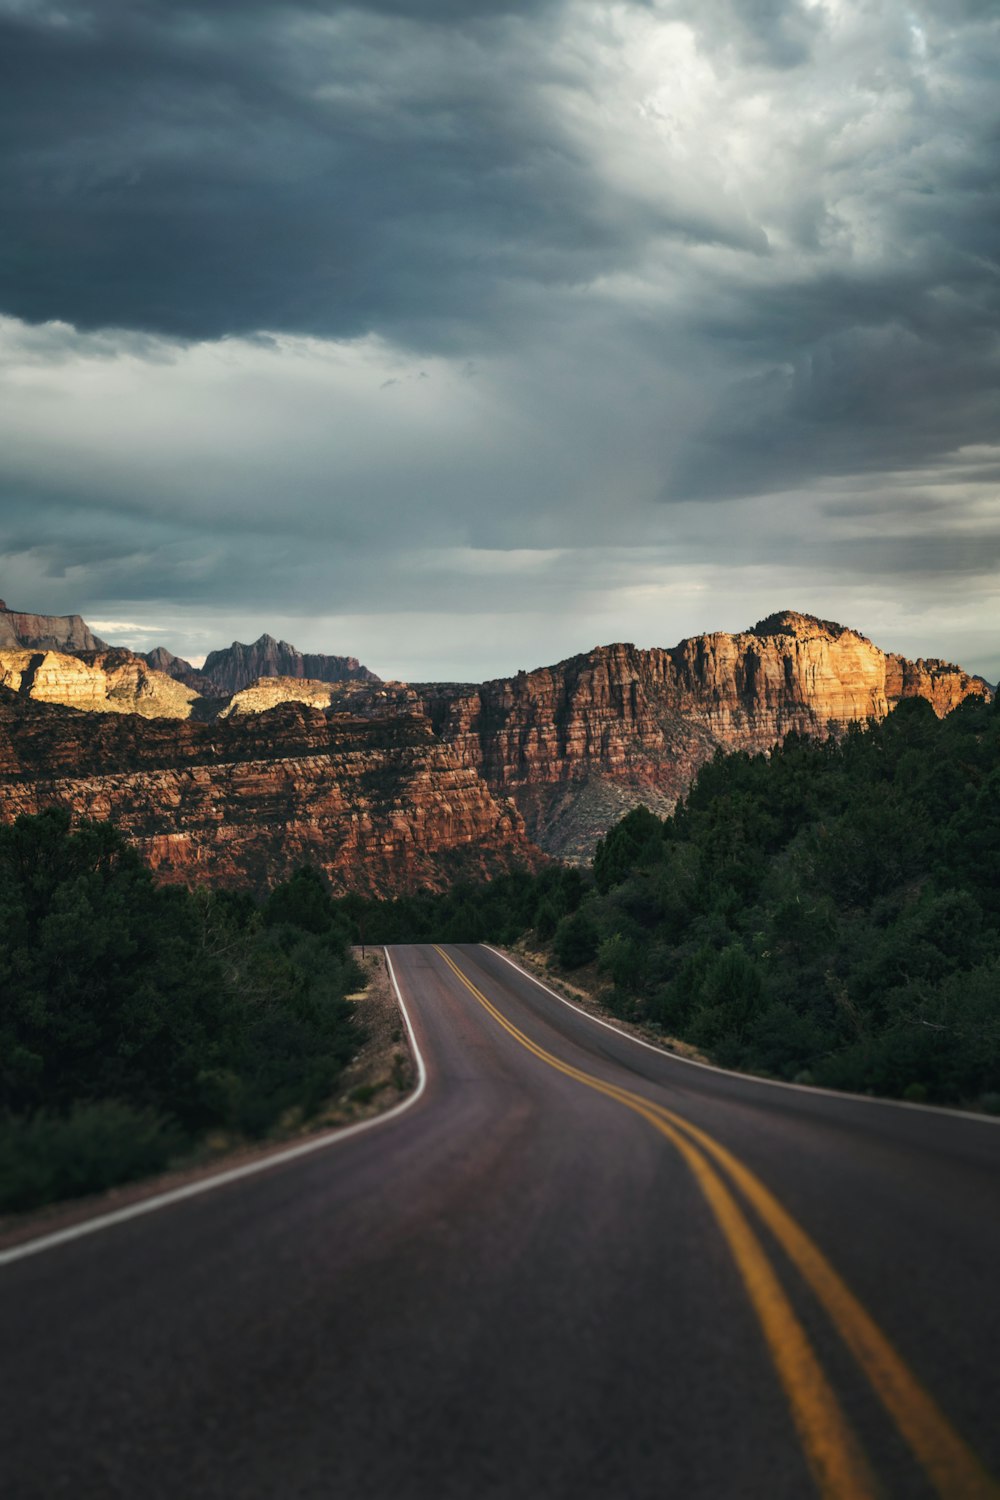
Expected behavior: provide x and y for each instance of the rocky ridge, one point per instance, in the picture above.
(237, 666)
(574, 745)
(379, 806)
(162, 660)
(112, 680)
(579, 743)
(116, 680)
(20, 631)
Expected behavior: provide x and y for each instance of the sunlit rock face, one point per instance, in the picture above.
(368, 698)
(106, 681)
(268, 692)
(45, 632)
(574, 746)
(377, 805)
(578, 744)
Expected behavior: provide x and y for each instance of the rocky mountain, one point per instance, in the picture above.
(578, 744)
(111, 680)
(379, 805)
(19, 631)
(162, 660)
(574, 745)
(237, 666)
(116, 680)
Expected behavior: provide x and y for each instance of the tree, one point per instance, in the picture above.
(635, 842)
(576, 940)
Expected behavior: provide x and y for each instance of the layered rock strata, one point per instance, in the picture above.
(379, 806)
(575, 745)
(19, 630)
(578, 744)
(108, 681)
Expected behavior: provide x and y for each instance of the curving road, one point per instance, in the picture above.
(573, 1267)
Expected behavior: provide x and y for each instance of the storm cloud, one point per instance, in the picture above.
(563, 320)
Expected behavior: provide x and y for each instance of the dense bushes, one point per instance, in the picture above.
(499, 912)
(830, 912)
(134, 1019)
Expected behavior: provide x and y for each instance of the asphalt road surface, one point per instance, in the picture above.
(574, 1266)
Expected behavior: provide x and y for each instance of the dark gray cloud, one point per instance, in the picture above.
(204, 170)
(366, 304)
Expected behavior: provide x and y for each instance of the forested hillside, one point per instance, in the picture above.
(135, 1020)
(829, 913)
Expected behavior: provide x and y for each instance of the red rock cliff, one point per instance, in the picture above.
(578, 744)
(45, 632)
(379, 806)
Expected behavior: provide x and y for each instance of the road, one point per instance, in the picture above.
(573, 1267)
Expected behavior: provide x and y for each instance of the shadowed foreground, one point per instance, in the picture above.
(574, 1267)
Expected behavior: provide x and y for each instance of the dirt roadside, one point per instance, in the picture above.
(588, 990)
(380, 1074)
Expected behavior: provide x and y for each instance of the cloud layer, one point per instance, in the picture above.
(576, 319)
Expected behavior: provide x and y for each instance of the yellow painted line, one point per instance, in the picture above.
(952, 1467)
(950, 1464)
(838, 1465)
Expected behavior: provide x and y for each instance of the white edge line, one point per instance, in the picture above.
(773, 1083)
(234, 1174)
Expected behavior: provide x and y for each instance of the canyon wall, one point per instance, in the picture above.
(109, 681)
(575, 745)
(379, 806)
(578, 744)
(45, 632)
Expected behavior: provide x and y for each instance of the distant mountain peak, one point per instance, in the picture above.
(239, 665)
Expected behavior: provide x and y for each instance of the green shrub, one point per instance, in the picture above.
(576, 940)
(47, 1157)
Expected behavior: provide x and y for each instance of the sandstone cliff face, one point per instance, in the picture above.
(942, 684)
(576, 745)
(235, 668)
(379, 806)
(107, 681)
(267, 692)
(119, 681)
(45, 632)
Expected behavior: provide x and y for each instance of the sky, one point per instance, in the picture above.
(461, 335)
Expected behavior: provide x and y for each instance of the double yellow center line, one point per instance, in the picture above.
(838, 1464)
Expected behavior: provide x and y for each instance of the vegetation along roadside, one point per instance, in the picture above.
(141, 1028)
